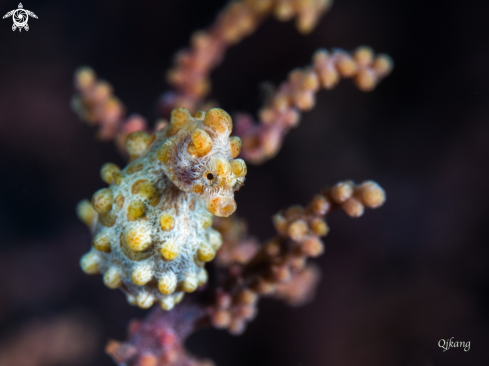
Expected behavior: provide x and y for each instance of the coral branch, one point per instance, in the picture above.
(190, 74)
(96, 104)
(300, 290)
(159, 339)
(262, 141)
(283, 259)
(237, 245)
(277, 269)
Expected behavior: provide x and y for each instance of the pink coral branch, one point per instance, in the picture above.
(262, 140)
(96, 104)
(237, 245)
(159, 339)
(277, 269)
(190, 73)
(284, 257)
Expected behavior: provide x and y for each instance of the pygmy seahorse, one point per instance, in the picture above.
(152, 227)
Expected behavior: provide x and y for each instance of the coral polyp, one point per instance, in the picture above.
(151, 227)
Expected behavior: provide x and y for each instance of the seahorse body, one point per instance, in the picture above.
(151, 227)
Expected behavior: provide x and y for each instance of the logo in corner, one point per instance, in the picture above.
(20, 17)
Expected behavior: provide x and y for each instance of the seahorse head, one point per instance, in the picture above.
(199, 158)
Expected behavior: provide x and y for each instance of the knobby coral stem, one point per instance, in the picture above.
(96, 104)
(190, 73)
(279, 269)
(281, 263)
(238, 247)
(159, 339)
(262, 140)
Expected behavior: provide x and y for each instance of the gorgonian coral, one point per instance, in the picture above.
(168, 212)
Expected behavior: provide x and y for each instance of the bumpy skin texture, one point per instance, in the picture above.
(151, 227)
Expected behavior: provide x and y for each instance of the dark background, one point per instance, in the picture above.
(394, 282)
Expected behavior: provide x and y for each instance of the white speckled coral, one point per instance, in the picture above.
(151, 227)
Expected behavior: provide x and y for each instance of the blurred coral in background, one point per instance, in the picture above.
(393, 284)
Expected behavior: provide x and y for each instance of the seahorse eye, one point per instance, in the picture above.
(210, 176)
